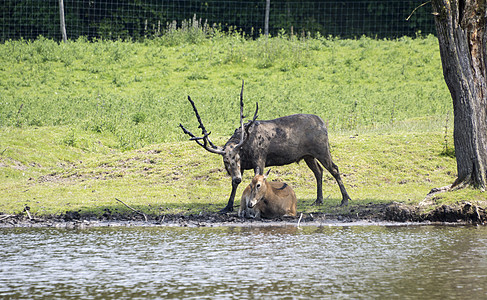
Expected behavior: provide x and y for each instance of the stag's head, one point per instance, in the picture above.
(231, 160)
(258, 189)
(231, 151)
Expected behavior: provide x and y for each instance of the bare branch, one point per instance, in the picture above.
(407, 19)
(139, 212)
(26, 209)
(5, 217)
(300, 217)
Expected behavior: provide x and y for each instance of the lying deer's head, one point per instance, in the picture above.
(231, 151)
(258, 189)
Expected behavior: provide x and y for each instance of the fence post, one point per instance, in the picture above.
(61, 18)
(266, 22)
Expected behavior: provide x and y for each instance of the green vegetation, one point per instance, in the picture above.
(83, 123)
(137, 92)
(140, 19)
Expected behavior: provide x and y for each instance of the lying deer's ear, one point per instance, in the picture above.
(267, 174)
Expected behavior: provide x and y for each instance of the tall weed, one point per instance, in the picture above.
(137, 91)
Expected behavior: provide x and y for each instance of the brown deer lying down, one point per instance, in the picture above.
(267, 199)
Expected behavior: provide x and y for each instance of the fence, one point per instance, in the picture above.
(136, 19)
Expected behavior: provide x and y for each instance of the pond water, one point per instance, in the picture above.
(339, 262)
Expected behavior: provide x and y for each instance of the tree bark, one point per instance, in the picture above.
(462, 36)
(61, 21)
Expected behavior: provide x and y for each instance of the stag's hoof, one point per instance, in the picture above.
(317, 202)
(344, 202)
(226, 210)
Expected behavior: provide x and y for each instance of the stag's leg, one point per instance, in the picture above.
(318, 171)
(259, 168)
(229, 207)
(333, 169)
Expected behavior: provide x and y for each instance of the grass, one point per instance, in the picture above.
(85, 122)
(179, 177)
(138, 91)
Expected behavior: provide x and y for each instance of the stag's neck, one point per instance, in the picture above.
(237, 135)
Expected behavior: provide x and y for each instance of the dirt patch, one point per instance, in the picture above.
(465, 212)
(396, 213)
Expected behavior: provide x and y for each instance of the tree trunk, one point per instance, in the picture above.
(61, 19)
(462, 36)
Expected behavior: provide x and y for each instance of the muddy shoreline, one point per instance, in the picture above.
(369, 214)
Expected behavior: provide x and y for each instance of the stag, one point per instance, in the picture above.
(258, 144)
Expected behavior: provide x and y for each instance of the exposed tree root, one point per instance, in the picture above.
(428, 200)
(457, 185)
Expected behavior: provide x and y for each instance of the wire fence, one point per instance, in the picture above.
(135, 19)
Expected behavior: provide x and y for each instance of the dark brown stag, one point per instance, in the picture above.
(258, 144)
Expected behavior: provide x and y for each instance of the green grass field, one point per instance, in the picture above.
(83, 123)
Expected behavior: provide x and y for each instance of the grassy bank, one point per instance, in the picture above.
(137, 91)
(40, 171)
(83, 123)
(50, 177)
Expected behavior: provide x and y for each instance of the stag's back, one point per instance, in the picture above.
(285, 140)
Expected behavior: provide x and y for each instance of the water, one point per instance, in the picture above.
(338, 262)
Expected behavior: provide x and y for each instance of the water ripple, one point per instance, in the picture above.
(244, 263)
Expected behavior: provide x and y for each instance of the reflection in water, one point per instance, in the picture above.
(244, 263)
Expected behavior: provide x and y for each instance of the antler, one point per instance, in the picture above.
(255, 114)
(205, 138)
(241, 117)
(207, 144)
(242, 130)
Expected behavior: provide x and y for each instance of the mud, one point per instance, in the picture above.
(465, 212)
(381, 214)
